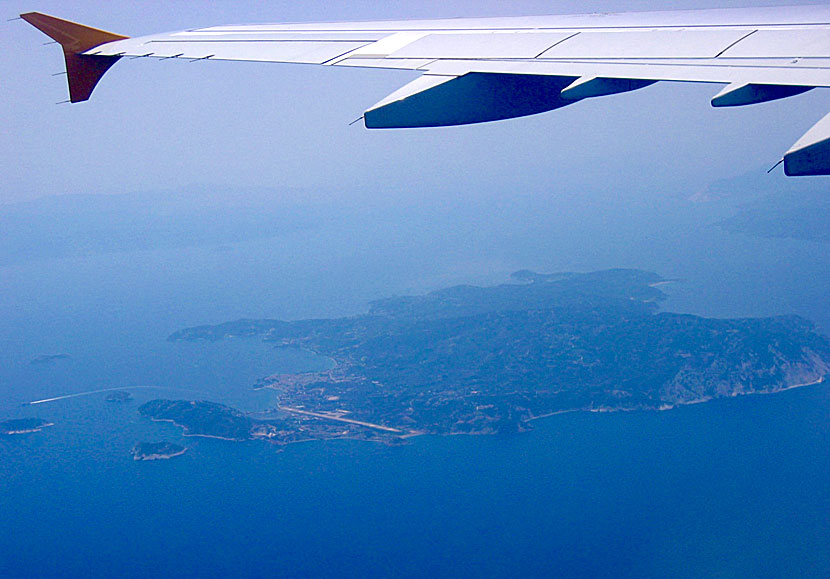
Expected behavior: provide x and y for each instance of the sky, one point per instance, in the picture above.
(154, 125)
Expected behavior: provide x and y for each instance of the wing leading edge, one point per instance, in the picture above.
(479, 70)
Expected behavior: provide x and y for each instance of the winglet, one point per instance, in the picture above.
(84, 71)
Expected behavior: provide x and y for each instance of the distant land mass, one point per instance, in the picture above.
(802, 214)
(73, 225)
(157, 450)
(23, 425)
(482, 360)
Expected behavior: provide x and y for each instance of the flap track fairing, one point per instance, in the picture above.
(467, 99)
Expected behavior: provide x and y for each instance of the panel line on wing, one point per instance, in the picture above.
(558, 43)
(735, 43)
(339, 57)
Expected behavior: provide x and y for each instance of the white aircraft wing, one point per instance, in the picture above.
(478, 70)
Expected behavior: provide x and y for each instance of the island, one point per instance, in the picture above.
(48, 359)
(118, 396)
(485, 360)
(23, 425)
(157, 450)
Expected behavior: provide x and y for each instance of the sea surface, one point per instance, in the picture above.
(730, 488)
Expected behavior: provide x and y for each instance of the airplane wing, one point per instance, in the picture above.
(479, 70)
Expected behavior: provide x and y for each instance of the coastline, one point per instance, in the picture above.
(665, 406)
(816, 382)
(407, 434)
(190, 434)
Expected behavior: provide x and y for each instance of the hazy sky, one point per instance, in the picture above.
(163, 125)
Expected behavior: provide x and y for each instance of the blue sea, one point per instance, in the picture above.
(731, 488)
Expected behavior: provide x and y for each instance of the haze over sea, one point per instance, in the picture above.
(731, 488)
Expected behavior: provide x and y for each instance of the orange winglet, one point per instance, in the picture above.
(83, 71)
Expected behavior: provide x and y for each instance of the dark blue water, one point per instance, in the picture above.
(734, 488)
(729, 489)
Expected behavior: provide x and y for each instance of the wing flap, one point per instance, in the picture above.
(714, 70)
(787, 43)
(627, 44)
(393, 63)
(482, 45)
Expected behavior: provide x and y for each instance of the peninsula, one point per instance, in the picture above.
(482, 360)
